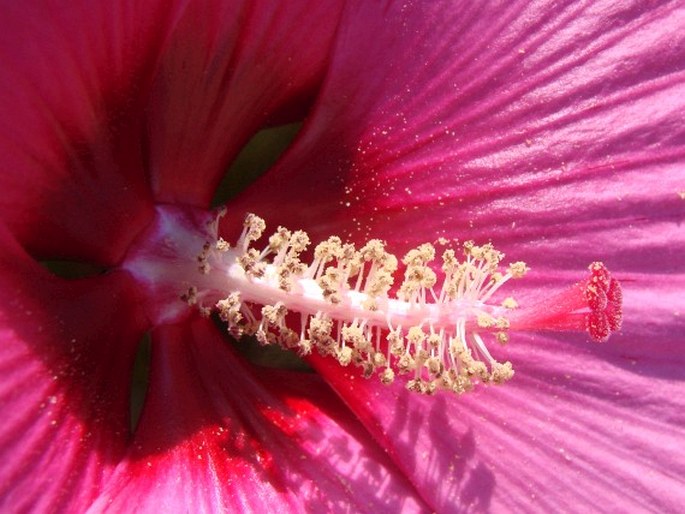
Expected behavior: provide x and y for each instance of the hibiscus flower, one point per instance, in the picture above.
(552, 129)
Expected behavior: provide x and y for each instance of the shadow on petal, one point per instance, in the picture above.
(213, 421)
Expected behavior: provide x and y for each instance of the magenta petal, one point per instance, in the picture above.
(218, 435)
(71, 135)
(509, 121)
(555, 130)
(230, 68)
(571, 432)
(65, 360)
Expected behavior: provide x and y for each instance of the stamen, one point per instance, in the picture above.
(435, 330)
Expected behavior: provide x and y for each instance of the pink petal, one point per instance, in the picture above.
(447, 129)
(65, 360)
(573, 431)
(555, 130)
(230, 68)
(71, 134)
(219, 435)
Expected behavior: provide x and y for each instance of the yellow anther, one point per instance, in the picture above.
(509, 303)
(344, 356)
(416, 336)
(387, 376)
(518, 269)
(434, 328)
(254, 226)
(279, 239)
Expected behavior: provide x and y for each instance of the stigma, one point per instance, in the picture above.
(428, 321)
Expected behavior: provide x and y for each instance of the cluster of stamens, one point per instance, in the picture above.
(433, 330)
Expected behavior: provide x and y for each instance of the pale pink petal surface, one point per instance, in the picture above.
(554, 130)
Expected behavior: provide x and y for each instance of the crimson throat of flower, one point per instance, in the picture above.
(435, 329)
